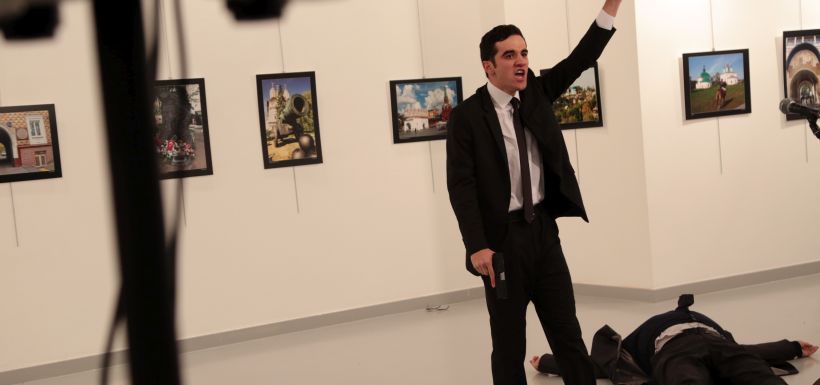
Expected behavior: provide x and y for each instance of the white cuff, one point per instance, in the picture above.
(605, 20)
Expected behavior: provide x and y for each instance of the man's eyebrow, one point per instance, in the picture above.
(508, 51)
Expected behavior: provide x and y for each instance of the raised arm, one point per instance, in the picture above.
(611, 7)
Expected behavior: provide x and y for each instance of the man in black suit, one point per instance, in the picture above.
(506, 200)
(683, 346)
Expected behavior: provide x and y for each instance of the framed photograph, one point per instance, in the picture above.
(289, 119)
(181, 139)
(29, 148)
(716, 83)
(801, 68)
(580, 105)
(421, 107)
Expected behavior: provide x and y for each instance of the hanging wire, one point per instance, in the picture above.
(296, 190)
(13, 210)
(165, 47)
(717, 119)
(805, 124)
(424, 76)
(574, 130)
(432, 171)
(421, 39)
(712, 23)
(566, 16)
(281, 44)
(293, 169)
(720, 147)
(14, 216)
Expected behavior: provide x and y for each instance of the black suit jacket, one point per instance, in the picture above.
(478, 177)
(613, 361)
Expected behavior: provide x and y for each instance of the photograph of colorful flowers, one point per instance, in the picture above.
(181, 128)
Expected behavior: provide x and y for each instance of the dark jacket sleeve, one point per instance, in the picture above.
(588, 50)
(548, 365)
(461, 181)
(776, 352)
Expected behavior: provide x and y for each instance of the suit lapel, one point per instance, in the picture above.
(491, 118)
(528, 108)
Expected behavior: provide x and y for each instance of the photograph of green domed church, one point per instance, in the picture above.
(717, 83)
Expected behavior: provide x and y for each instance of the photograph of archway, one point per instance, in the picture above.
(801, 68)
(29, 147)
(716, 83)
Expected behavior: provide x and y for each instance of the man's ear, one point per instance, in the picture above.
(489, 68)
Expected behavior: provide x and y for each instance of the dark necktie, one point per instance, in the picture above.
(526, 183)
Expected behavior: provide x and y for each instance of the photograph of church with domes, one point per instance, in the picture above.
(28, 143)
(717, 83)
(801, 68)
(580, 105)
(421, 107)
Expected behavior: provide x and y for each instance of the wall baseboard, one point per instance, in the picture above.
(700, 287)
(93, 362)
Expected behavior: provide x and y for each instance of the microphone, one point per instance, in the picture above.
(788, 106)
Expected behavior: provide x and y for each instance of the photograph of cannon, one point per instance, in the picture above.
(181, 138)
(288, 119)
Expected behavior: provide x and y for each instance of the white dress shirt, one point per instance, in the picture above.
(605, 20)
(504, 110)
(674, 330)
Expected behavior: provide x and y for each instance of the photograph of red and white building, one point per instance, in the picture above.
(28, 143)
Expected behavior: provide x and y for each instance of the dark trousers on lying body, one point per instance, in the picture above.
(536, 271)
(697, 357)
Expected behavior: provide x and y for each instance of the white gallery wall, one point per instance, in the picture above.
(727, 195)
(372, 224)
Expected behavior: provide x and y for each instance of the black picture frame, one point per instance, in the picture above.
(181, 101)
(727, 91)
(29, 144)
(580, 106)
(800, 81)
(416, 120)
(292, 137)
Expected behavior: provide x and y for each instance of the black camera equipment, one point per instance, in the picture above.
(146, 301)
(788, 106)
(20, 20)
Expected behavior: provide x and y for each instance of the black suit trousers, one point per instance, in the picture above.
(536, 272)
(700, 358)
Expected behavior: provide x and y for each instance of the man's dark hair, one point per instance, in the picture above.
(499, 33)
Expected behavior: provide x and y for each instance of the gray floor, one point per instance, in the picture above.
(452, 346)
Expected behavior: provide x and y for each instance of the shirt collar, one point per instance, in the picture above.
(500, 98)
